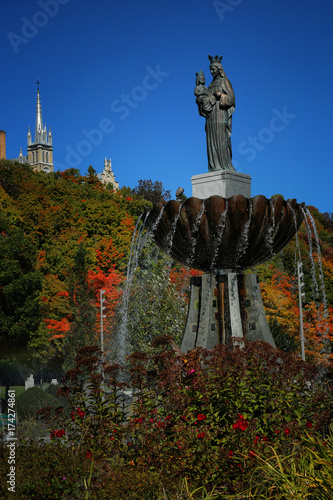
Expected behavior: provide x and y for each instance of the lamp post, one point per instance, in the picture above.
(300, 296)
(101, 293)
(102, 309)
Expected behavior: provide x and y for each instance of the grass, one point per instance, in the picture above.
(17, 388)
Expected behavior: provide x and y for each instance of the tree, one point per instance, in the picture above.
(82, 329)
(152, 191)
(91, 171)
(156, 306)
(20, 285)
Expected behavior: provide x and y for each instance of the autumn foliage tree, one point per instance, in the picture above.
(50, 218)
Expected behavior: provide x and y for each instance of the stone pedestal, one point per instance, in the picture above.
(224, 306)
(224, 183)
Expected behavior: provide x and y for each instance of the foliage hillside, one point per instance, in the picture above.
(64, 236)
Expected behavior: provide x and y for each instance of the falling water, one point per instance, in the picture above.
(321, 274)
(131, 266)
(220, 230)
(171, 234)
(269, 242)
(297, 247)
(326, 341)
(313, 266)
(154, 226)
(307, 217)
(141, 239)
(194, 238)
(244, 243)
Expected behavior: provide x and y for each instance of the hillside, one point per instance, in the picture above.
(65, 236)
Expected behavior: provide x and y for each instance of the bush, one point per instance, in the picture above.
(32, 400)
(204, 416)
(30, 428)
(52, 389)
(45, 472)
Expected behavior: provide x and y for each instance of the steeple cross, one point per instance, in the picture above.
(38, 83)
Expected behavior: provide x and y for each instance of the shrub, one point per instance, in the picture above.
(204, 416)
(32, 400)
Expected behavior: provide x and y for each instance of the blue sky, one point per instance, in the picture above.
(117, 80)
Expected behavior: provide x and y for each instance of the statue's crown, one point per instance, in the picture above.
(215, 60)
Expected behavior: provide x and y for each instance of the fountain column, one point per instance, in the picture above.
(223, 306)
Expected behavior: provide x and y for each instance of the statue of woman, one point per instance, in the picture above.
(216, 104)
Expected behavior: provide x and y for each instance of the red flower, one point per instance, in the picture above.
(252, 453)
(201, 435)
(287, 431)
(230, 453)
(89, 455)
(265, 438)
(201, 416)
(309, 424)
(57, 433)
(240, 424)
(128, 198)
(80, 412)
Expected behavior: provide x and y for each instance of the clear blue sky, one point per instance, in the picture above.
(127, 70)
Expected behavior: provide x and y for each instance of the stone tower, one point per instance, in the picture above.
(40, 152)
(107, 175)
(2, 144)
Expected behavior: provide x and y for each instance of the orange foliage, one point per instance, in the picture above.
(181, 277)
(280, 298)
(107, 253)
(110, 283)
(318, 330)
(59, 328)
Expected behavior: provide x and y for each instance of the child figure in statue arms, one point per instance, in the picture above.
(204, 98)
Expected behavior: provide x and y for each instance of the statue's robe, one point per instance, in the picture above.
(218, 126)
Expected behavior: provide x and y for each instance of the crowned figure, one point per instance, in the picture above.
(216, 103)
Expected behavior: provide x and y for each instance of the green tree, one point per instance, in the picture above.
(152, 191)
(155, 307)
(20, 285)
(83, 311)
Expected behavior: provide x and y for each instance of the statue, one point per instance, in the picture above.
(216, 103)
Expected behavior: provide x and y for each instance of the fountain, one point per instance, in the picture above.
(223, 232)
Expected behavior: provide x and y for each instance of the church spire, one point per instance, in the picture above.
(39, 119)
(40, 152)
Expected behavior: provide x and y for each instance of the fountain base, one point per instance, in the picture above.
(225, 305)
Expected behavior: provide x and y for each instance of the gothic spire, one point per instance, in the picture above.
(39, 119)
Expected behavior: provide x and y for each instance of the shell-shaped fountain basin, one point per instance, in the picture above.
(219, 233)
